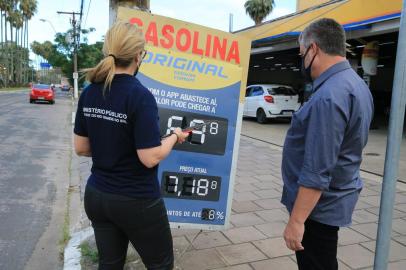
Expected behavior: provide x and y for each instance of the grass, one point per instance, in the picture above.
(14, 88)
(89, 253)
(65, 228)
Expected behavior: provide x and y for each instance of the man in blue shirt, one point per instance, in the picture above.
(323, 148)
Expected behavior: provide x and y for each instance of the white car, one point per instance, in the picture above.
(265, 101)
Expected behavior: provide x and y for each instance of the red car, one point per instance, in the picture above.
(42, 92)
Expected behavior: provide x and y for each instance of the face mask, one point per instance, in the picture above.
(307, 71)
(136, 71)
(142, 56)
(138, 68)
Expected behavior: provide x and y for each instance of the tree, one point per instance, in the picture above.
(259, 9)
(6, 7)
(60, 53)
(14, 59)
(142, 4)
(28, 9)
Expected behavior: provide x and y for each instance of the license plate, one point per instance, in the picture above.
(287, 113)
(41, 98)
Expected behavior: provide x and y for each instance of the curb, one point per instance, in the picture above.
(72, 251)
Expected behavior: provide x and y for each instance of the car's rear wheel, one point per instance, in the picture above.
(31, 101)
(261, 116)
(52, 102)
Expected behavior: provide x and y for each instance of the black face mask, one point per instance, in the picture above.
(136, 71)
(307, 71)
(142, 56)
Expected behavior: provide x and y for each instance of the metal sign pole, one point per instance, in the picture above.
(393, 151)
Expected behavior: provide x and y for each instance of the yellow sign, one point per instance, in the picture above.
(190, 56)
(189, 71)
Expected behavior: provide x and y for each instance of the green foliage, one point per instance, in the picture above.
(10, 52)
(90, 55)
(89, 253)
(14, 18)
(60, 53)
(259, 9)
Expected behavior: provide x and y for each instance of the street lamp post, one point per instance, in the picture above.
(50, 23)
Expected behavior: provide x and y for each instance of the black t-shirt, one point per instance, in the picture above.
(120, 122)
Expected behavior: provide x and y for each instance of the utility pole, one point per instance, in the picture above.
(75, 51)
(390, 177)
(230, 24)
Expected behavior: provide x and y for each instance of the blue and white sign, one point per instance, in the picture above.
(45, 65)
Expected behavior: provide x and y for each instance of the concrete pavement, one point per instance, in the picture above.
(255, 240)
(374, 153)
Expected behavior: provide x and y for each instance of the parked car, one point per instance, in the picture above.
(65, 88)
(42, 92)
(267, 101)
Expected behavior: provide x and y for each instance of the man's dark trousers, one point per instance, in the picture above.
(320, 247)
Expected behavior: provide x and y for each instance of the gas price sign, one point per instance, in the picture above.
(198, 77)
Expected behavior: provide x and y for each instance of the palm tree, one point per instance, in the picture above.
(3, 62)
(13, 20)
(7, 8)
(3, 6)
(142, 4)
(259, 9)
(28, 9)
(18, 24)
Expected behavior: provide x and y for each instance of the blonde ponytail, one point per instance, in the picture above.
(123, 43)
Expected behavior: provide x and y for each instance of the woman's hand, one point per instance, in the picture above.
(181, 135)
(150, 157)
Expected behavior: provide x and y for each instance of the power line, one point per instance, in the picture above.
(80, 19)
(87, 13)
(81, 12)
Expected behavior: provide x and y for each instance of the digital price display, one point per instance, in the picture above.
(208, 139)
(190, 186)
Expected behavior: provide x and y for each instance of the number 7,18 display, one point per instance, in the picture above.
(190, 186)
(208, 139)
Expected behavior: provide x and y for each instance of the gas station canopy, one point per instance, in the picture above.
(360, 18)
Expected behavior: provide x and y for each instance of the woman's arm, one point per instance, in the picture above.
(150, 157)
(82, 146)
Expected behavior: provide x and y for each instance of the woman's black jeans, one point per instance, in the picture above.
(118, 220)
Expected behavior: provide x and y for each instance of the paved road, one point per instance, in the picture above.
(35, 143)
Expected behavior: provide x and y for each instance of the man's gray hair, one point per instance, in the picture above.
(328, 35)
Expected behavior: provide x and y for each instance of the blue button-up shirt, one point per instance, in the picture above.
(323, 147)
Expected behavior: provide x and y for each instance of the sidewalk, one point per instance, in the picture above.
(255, 240)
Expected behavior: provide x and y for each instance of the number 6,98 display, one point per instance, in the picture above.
(208, 139)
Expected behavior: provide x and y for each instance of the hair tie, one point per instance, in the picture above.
(112, 55)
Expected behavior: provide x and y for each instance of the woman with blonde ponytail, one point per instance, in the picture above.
(117, 125)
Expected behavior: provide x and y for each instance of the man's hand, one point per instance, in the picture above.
(294, 235)
(305, 202)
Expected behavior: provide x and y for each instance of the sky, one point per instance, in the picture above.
(211, 13)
